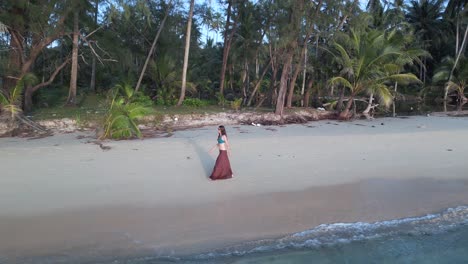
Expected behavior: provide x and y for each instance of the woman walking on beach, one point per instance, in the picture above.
(222, 169)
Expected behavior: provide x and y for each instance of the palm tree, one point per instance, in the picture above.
(426, 17)
(458, 80)
(369, 63)
(186, 54)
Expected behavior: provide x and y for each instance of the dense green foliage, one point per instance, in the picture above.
(126, 107)
(305, 48)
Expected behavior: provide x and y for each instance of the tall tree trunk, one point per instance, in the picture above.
(246, 82)
(92, 84)
(14, 61)
(284, 83)
(460, 52)
(339, 105)
(74, 67)
(150, 53)
(394, 98)
(257, 85)
(186, 54)
(273, 93)
(369, 105)
(308, 91)
(29, 91)
(304, 78)
(292, 84)
(227, 45)
(28, 102)
(345, 115)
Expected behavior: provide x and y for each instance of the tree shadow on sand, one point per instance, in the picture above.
(206, 160)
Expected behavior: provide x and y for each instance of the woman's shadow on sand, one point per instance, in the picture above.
(205, 158)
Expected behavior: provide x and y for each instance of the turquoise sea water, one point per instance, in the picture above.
(435, 238)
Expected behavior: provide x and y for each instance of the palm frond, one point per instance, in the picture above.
(401, 78)
(341, 81)
(452, 86)
(384, 95)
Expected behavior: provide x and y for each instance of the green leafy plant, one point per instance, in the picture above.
(221, 99)
(236, 104)
(11, 102)
(123, 114)
(195, 102)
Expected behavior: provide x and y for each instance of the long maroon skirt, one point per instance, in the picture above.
(222, 169)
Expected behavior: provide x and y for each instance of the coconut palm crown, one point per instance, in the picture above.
(370, 61)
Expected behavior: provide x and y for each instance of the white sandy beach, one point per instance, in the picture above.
(60, 196)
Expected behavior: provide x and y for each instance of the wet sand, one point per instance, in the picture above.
(65, 199)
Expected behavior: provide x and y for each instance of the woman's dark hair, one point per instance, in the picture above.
(223, 130)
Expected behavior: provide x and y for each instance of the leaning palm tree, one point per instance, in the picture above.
(457, 81)
(369, 62)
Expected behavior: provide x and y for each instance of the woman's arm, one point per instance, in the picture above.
(228, 147)
(211, 150)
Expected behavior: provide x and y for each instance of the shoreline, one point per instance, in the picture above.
(153, 194)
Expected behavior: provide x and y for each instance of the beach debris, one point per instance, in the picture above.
(253, 124)
(381, 124)
(188, 157)
(449, 149)
(102, 146)
(321, 109)
(421, 126)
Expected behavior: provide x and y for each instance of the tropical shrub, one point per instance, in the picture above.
(236, 104)
(221, 99)
(10, 103)
(371, 61)
(458, 76)
(195, 102)
(121, 121)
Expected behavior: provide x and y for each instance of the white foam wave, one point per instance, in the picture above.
(342, 233)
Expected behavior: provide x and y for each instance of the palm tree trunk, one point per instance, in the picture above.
(394, 97)
(227, 46)
(186, 54)
(71, 100)
(369, 105)
(304, 78)
(344, 115)
(257, 85)
(245, 83)
(339, 104)
(150, 53)
(462, 48)
(92, 84)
